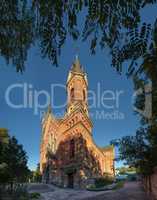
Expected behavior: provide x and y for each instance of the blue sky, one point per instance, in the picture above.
(41, 74)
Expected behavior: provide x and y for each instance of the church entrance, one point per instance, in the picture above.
(71, 180)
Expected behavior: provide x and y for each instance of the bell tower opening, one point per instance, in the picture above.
(72, 93)
(84, 95)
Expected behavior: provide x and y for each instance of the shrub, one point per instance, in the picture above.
(17, 192)
(103, 181)
(20, 192)
(35, 195)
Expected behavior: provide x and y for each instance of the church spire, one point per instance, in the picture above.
(77, 87)
(76, 66)
(49, 108)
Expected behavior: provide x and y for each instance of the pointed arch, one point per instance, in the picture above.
(84, 95)
(72, 93)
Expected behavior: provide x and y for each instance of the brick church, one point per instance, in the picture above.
(68, 155)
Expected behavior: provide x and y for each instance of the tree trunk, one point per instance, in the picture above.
(150, 183)
(11, 186)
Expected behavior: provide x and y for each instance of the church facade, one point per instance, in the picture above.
(68, 155)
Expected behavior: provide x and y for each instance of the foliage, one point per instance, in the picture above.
(13, 162)
(4, 140)
(139, 151)
(107, 23)
(124, 170)
(4, 136)
(18, 192)
(35, 195)
(109, 186)
(16, 32)
(36, 175)
(16, 160)
(103, 181)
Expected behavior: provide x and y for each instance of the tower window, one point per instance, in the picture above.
(72, 93)
(72, 148)
(84, 95)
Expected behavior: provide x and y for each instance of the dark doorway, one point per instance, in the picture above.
(71, 180)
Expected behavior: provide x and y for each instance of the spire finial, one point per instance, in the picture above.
(76, 57)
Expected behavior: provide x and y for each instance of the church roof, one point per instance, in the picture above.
(49, 111)
(76, 66)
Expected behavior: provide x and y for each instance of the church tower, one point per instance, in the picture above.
(68, 155)
(77, 86)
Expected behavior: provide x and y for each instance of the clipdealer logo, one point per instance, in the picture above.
(106, 103)
(31, 97)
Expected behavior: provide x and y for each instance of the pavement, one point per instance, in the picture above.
(130, 191)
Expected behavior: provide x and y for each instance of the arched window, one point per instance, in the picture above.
(72, 93)
(72, 148)
(54, 144)
(84, 95)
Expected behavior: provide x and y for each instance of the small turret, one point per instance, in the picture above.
(49, 109)
(47, 113)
